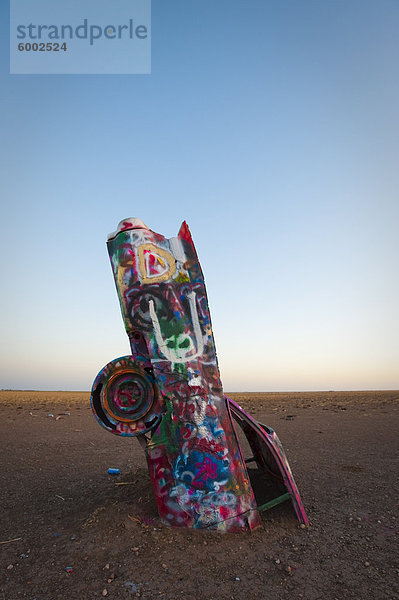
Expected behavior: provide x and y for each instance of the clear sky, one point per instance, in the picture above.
(272, 127)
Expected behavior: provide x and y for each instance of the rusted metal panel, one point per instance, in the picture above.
(270, 458)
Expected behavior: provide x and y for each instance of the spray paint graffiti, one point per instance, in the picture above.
(170, 387)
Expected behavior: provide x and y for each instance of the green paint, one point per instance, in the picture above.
(274, 502)
(166, 433)
(180, 369)
(171, 327)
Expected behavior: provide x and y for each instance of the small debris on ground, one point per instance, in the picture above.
(132, 586)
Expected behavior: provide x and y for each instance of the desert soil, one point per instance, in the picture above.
(60, 508)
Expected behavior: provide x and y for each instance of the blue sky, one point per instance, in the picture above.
(272, 128)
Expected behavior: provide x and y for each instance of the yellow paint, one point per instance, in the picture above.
(163, 257)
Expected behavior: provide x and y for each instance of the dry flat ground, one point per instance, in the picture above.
(62, 509)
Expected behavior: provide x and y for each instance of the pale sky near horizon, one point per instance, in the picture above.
(272, 128)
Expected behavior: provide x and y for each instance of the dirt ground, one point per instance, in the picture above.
(60, 508)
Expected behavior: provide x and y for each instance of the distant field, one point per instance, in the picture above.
(260, 399)
(23, 397)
